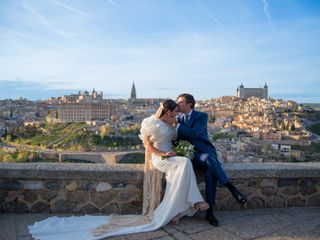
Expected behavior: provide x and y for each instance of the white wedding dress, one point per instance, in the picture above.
(180, 195)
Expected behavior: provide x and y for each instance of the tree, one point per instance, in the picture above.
(217, 136)
(211, 118)
(8, 138)
(30, 131)
(291, 127)
(49, 118)
(2, 154)
(8, 158)
(134, 129)
(266, 147)
(105, 130)
(22, 156)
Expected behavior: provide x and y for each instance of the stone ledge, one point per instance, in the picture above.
(72, 171)
(77, 171)
(273, 170)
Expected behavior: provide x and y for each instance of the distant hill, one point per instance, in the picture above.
(316, 106)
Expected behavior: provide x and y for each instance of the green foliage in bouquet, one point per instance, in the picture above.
(184, 148)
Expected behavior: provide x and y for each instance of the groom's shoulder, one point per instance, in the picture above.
(200, 114)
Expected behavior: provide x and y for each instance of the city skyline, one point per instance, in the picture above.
(207, 48)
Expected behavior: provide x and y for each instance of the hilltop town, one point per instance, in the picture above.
(248, 127)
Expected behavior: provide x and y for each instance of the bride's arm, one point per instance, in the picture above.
(150, 148)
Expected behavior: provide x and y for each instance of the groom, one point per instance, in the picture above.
(193, 128)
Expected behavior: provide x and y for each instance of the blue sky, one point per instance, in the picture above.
(204, 47)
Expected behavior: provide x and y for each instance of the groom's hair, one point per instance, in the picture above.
(189, 99)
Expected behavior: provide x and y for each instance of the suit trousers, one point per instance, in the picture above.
(213, 173)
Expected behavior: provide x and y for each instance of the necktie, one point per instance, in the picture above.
(187, 118)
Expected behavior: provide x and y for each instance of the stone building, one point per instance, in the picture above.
(142, 102)
(83, 107)
(221, 113)
(81, 112)
(84, 97)
(268, 135)
(243, 92)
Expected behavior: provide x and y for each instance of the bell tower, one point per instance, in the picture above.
(133, 94)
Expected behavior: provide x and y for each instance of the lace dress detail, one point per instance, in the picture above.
(161, 134)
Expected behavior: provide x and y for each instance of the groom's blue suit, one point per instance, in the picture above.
(195, 131)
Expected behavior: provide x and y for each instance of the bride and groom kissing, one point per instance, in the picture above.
(182, 196)
(192, 127)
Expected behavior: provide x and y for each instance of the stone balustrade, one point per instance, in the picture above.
(101, 188)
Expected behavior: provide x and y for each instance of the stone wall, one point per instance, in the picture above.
(272, 185)
(99, 188)
(70, 188)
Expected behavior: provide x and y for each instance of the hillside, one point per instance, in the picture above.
(69, 136)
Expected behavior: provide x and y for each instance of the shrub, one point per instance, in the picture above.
(8, 158)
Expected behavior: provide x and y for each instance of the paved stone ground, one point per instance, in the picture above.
(258, 224)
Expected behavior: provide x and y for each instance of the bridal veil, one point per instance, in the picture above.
(152, 188)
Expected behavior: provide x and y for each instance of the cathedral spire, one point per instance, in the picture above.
(133, 94)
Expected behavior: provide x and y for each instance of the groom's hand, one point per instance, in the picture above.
(170, 120)
(171, 154)
(147, 142)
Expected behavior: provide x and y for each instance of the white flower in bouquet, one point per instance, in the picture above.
(184, 148)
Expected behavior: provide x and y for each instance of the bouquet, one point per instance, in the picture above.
(184, 148)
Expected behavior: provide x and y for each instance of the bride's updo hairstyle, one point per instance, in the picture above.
(167, 105)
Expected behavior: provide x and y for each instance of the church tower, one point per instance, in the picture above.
(133, 94)
(265, 91)
(240, 91)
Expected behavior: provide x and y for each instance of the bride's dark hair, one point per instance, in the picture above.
(167, 105)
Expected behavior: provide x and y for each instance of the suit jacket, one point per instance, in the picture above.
(195, 131)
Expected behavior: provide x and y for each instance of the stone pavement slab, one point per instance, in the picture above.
(139, 236)
(215, 233)
(7, 229)
(254, 226)
(306, 230)
(258, 224)
(193, 225)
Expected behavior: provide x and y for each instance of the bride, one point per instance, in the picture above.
(182, 196)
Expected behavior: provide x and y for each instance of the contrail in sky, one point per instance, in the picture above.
(42, 19)
(113, 3)
(214, 18)
(72, 9)
(266, 9)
